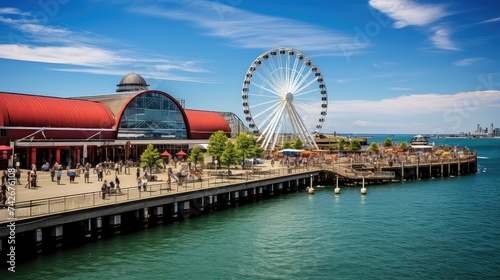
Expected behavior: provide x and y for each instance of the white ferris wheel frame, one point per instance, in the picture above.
(287, 75)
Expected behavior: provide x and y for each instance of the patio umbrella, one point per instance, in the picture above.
(181, 153)
(5, 151)
(290, 152)
(165, 154)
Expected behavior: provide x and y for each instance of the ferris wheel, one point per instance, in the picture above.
(284, 97)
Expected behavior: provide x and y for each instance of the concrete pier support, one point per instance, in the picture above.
(236, 197)
(56, 234)
(210, 203)
(38, 241)
(115, 222)
(87, 228)
(175, 210)
(227, 199)
(145, 217)
(98, 228)
(186, 209)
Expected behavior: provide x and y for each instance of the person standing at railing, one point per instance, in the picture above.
(139, 183)
(117, 183)
(144, 183)
(104, 189)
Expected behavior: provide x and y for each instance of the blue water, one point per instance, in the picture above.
(446, 228)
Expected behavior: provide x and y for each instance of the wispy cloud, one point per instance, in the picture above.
(244, 29)
(491, 20)
(69, 55)
(37, 41)
(441, 39)
(13, 11)
(409, 13)
(468, 61)
(418, 104)
(414, 113)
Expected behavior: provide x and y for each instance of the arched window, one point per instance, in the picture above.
(152, 115)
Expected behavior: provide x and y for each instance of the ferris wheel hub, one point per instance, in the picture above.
(289, 97)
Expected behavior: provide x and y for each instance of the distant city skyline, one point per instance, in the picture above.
(401, 66)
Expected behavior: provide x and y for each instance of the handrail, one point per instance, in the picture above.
(58, 204)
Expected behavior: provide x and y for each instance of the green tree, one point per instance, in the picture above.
(341, 143)
(373, 147)
(246, 146)
(388, 142)
(258, 151)
(196, 156)
(217, 144)
(287, 145)
(355, 145)
(403, 146)
(151, 158)
(298, 144)
(229, 156)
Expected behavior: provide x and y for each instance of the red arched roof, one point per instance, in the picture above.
(203, 124)
(42, 111)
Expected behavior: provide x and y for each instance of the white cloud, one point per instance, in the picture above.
(395, 125)
(429, 113)
(418, 104)
(245, 29)
(70, 55)
(467, 61)
(38, 42)
(409, 13)
(441, 39)
(406, 12)
(13, 11)
(491, 20)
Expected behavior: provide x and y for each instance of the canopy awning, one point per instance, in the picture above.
(165, 154)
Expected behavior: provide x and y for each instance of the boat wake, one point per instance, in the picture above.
(483, 157)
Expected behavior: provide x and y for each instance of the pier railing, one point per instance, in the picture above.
(47, 206)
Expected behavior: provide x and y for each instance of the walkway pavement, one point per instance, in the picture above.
(49, 197)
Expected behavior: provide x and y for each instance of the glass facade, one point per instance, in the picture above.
(152, 115)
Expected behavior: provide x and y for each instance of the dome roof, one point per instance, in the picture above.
(132, 82)
(419, 140)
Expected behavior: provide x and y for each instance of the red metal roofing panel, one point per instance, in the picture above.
(202, 124)
(42, 111)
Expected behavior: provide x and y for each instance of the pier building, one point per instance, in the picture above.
(107, 127)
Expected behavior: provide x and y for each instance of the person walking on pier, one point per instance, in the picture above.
(100, 172)
(58, 175)
(4, 177)
(18, 176)
(138, 173)
(52, 173)
(86, 174)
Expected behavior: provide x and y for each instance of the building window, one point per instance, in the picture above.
(3, 132)
(152, 116)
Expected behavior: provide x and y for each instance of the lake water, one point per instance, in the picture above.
(445, 228)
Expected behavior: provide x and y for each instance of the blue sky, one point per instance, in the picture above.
(389, 66)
